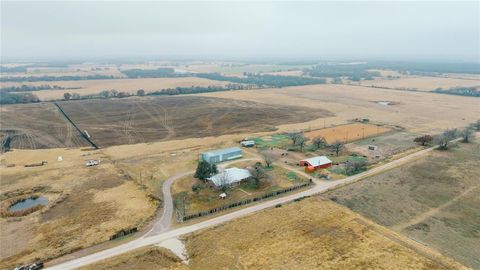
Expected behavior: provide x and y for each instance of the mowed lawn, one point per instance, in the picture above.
(433, 200)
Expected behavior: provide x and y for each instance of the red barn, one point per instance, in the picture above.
(320, 162)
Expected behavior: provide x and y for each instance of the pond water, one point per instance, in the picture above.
(30, 202)
(385, 103)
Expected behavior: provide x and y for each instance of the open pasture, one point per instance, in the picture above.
(433, 200)
(347, 133)
(418, 112)
(423, 83)
(86, 205)
(136, 120)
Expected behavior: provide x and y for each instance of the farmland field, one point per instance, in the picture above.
(347, 133)
(417, 112)
(90, 87)
(423, 83)
(32, 126)
(433, 200)
(136, 120)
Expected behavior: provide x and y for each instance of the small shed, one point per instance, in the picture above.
(319, 162)
(220, 155)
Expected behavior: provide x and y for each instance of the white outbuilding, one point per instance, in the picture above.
(229, 177)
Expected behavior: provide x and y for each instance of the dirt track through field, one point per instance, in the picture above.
(434, 211)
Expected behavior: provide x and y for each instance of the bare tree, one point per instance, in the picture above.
(301, 141)
(320, 142)
(444, 139)
(294, 136)
(467, 134)
(267, 158)
(258, 173)
(223, 180)
(337, 146)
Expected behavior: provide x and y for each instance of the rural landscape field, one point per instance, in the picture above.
(175, 135)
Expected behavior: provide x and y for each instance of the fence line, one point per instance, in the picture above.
(181, 218)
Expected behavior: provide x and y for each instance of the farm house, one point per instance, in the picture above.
(229, 177)
(319, 162)
(220, 155)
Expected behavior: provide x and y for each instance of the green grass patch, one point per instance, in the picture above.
(292, 176)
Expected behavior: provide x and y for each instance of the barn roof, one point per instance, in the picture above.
(222, 151)
(317, 161)
(229, 176)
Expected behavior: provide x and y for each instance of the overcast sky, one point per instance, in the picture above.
(422, 31)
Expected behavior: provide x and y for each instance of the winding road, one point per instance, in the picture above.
(164, 222)
(161, 230)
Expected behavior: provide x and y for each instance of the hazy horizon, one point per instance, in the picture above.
(395, 31)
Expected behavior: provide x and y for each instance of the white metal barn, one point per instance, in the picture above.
(229, 177)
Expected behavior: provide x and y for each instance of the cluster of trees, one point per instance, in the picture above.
(355, 166)
(55, 78)
(30, 88)
(153, 73)
(460, 91)
(299, 140)
(14, 98)
(258, 174)
(443, 140)
(263, 80)
(352, 72)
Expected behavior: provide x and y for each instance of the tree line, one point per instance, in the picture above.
(351, 72)
(14, 98)
(460, 91)
(55, 78)
(30, 88)
(264, 80)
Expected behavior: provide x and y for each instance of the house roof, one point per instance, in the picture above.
(229, 176)
(222, 151)
(317, 161)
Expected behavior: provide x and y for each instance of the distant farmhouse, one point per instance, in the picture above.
(319, 162)
(221, 155)
(229, 177)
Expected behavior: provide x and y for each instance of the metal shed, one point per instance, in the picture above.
(220, 155)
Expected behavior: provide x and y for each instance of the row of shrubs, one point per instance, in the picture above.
(245, 202)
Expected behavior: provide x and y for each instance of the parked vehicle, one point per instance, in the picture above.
(92, 162)
(34, 266)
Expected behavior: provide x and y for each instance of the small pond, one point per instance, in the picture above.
(28, 203)
(385, 103)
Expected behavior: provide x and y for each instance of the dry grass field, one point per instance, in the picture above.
(87, 87)
(310, 234)
(416, 111)
(150, 257)
(347, 133)
(423, 83)
(136, 120)
(86, 205)
(33, 126)
(433, 200)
